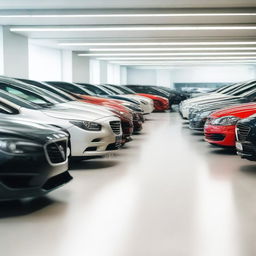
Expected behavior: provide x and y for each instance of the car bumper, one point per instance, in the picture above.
(248, 151)
(220, 135)
(197, 124)
(161, 106)
(22, 177)
(94, 143)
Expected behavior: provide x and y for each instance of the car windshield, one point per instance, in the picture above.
(71, 88)
(126, 90)
(29, 95)
(249, 92)
(113, 89)
(96, 90)
(233, 89)
(19, 101)
(244, 90)
(50, 91)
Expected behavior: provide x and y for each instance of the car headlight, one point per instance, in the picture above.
(86, 125)
(19, 146)
(205, 114)
(225, 120)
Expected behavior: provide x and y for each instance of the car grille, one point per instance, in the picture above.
(214, 136)
(242, 132)
(115, 126)
(57, 151)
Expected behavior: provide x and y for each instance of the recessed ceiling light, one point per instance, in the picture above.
(171, 49)
(155, 43)
(130, 28)
(166, 54)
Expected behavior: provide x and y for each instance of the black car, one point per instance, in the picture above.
(246, 138)
(33, 158)
(151, 89)
(175, 96)
(86, 89)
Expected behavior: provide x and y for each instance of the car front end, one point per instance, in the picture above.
(33, 160)
(246, 138)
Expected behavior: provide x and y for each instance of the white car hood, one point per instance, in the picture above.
(87, 107)
(72, 113)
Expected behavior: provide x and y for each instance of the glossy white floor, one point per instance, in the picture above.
(166, 194)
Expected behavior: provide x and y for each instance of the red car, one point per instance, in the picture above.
(220, 125)
(160, 103)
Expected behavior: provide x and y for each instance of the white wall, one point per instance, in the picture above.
(123, 74)
(114, 74)
(141, 76)
(81, 69)
(66, 68)
(44, 63)
(194, 74)
(94, 71)
(14, 54)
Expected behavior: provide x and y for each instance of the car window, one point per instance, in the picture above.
(6, 109)
(244, 90)
(126, 90)
(69, 87)
(27, 96)
(18, 101)
(94, 89)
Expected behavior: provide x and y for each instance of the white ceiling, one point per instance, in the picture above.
(38, 15)
(102, 4)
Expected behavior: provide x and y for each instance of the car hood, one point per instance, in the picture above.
(87, 107)
(139, 97)
(152, 96)
(221, 101)
(242, 111)
(211, 96)
(61, 112)
(16, 127)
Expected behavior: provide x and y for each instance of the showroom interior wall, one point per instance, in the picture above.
(13, 53)
(193, 74)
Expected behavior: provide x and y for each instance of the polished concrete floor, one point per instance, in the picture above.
(167, 193)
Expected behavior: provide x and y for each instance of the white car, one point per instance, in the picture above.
(91, 134)
(222, 93)
(145, 103)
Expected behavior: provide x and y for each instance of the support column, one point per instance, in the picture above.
(103, 72)
(81, 69)
(14, 53)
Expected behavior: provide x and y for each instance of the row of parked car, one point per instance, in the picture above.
(45, 125)
(227, 116)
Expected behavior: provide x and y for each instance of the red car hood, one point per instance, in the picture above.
(241, 111)
(153, 97)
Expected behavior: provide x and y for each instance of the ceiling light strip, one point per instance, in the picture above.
(156, 43)
(165, 54)
(127, 15)
(177, 58)
(127, 28)
(172, 49)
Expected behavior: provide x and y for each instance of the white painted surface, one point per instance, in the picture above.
(44, 63)
(81, 69)
(94, 71)
(141, 76)
(194, 74)
(15, 54)
(114, 76)
(66, 65)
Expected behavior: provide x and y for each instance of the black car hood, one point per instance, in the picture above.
(27, 130)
